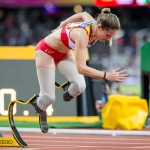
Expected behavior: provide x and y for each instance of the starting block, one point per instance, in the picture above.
(6, 141)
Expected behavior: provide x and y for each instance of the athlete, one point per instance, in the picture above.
(78, 33)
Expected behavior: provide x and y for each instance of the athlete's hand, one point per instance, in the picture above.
(116, 75)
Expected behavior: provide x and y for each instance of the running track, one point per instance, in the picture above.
(47, 141)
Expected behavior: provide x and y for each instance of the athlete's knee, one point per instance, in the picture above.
(50, 99)
(45, 100)
(76, 89)
(79, 87)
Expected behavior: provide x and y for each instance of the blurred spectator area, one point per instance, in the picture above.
(26, 26)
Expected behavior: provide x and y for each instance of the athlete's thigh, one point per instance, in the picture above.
(67, 56)
(43, 60)
(67, 67)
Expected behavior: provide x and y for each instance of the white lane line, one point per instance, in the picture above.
(99, 142)
(83, 146)
(14, 148)
(81, 131)
(83, 138)
(72, 147)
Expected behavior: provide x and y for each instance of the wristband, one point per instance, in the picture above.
(104, 75)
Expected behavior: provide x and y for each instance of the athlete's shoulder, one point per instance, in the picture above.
(81, 24)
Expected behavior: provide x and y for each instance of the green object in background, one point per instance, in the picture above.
(146, 1)
(145, 71)
(145, 57)
(130, 89)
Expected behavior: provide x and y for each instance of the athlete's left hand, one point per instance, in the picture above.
(116, 75)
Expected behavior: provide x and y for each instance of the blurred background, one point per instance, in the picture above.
(25, 22)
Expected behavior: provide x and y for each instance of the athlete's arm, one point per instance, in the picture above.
(84, 16)
(81, 39)
(80, 17)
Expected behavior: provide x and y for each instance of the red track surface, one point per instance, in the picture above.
(46, 141)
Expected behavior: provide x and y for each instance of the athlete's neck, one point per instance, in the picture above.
(93, 34)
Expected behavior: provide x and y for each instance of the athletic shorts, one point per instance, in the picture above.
(50, 51)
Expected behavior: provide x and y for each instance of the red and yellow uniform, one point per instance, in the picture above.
(65, 38)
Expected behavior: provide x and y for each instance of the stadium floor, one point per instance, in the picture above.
(55, 141)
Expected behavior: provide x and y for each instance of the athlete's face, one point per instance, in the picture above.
(104, 35)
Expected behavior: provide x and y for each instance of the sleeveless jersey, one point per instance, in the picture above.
(65, 33)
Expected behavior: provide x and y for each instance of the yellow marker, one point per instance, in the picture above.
(6, 141)
(23, 53)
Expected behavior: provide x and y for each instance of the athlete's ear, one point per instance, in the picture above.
(99, 26)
